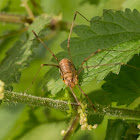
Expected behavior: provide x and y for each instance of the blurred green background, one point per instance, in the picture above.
(20, 122)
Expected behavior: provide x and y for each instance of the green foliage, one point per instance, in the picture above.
(116, 31)
(11, 6)
(124, 88)
(21, 54)
(118, 130)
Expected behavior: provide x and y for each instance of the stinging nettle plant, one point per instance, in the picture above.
(117, 32)
(107, 33)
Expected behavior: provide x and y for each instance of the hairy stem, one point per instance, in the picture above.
(63, 105)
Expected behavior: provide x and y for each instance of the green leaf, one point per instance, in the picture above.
(124, 88)
(118, 31)
(6, 44)
(118, 130)
(21, 54)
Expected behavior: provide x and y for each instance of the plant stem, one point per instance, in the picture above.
(63, 105)
(19, 19)
(29, 11)
(36, 101)
(72, 127)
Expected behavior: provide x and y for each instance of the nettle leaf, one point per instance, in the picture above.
(125, 87)
(117, 30)
(21, 54)
(119, 129)
(116, 129)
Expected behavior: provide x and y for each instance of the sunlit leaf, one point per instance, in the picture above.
(118, 31)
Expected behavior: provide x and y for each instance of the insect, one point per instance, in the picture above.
(68, 72)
